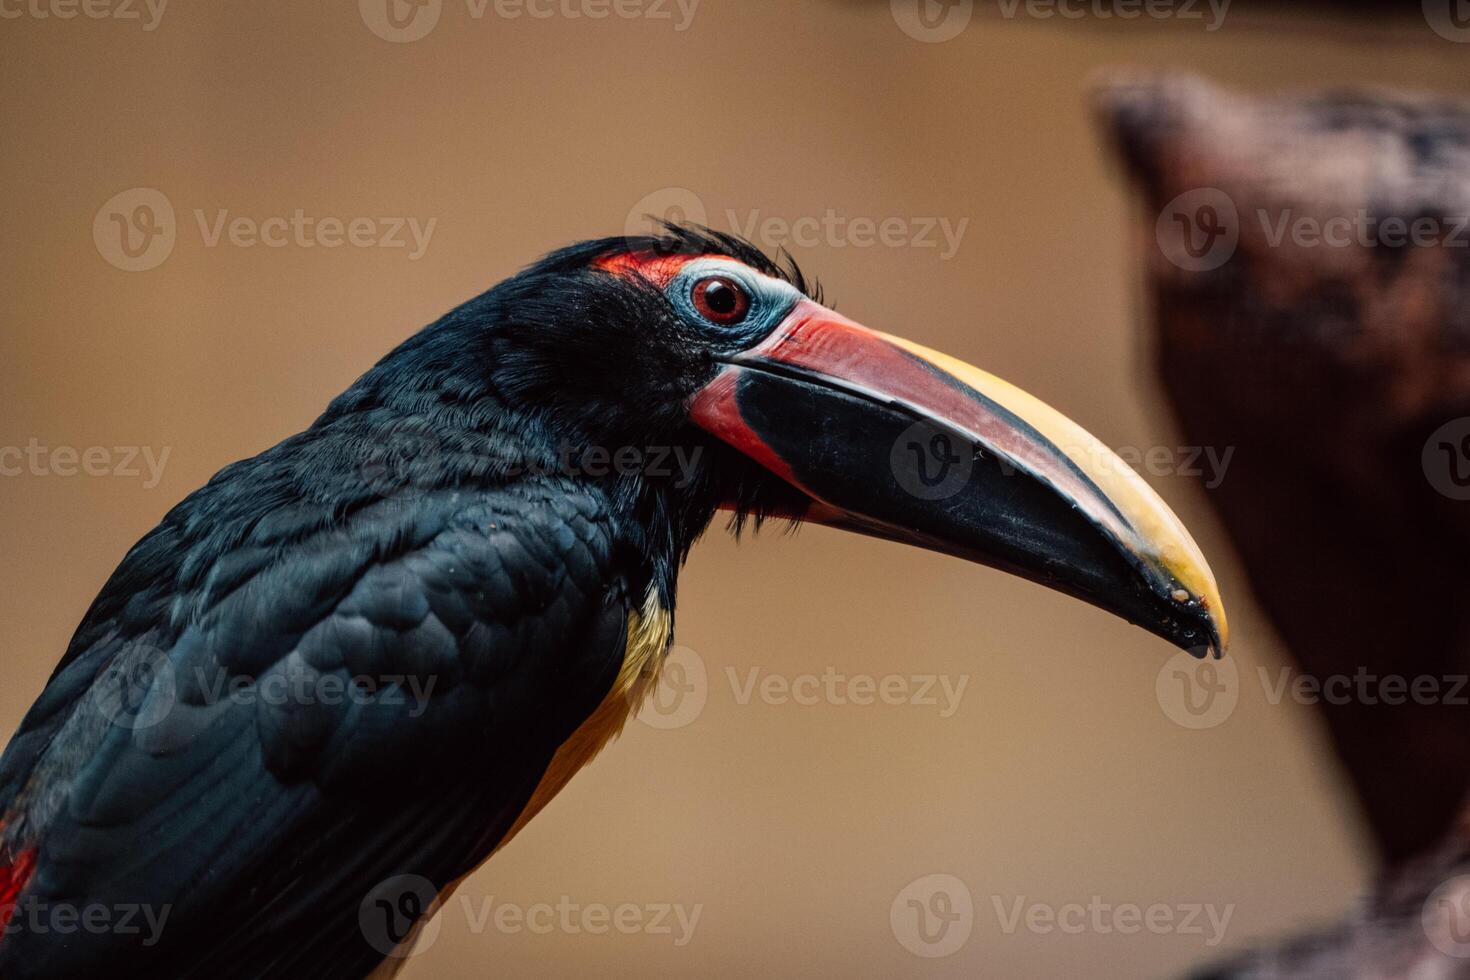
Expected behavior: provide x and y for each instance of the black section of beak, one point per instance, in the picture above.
(892, 474)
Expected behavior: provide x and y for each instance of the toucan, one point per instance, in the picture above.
(338, 677)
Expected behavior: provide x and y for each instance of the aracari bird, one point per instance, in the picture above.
(523, 595)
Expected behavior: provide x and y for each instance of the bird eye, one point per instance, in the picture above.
(721, 300)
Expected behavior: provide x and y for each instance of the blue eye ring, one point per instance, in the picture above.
(768, 300)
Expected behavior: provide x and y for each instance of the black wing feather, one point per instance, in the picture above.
(490, 624)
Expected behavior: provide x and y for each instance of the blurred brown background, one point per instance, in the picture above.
(1060, 778)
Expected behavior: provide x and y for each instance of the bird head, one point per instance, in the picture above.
(695, 341)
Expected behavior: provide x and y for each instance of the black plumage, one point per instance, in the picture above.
(424, 541)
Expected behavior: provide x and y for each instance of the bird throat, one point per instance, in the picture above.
(649, 632)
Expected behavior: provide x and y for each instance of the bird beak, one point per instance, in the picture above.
(895, 440)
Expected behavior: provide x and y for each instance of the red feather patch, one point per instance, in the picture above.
(656, 268)
(13, 878)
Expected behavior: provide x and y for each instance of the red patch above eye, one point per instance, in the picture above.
(657, 269)
(720, 299)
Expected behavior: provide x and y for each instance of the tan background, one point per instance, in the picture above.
(1058, 779)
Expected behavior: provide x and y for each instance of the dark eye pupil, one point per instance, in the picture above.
(721, 298)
